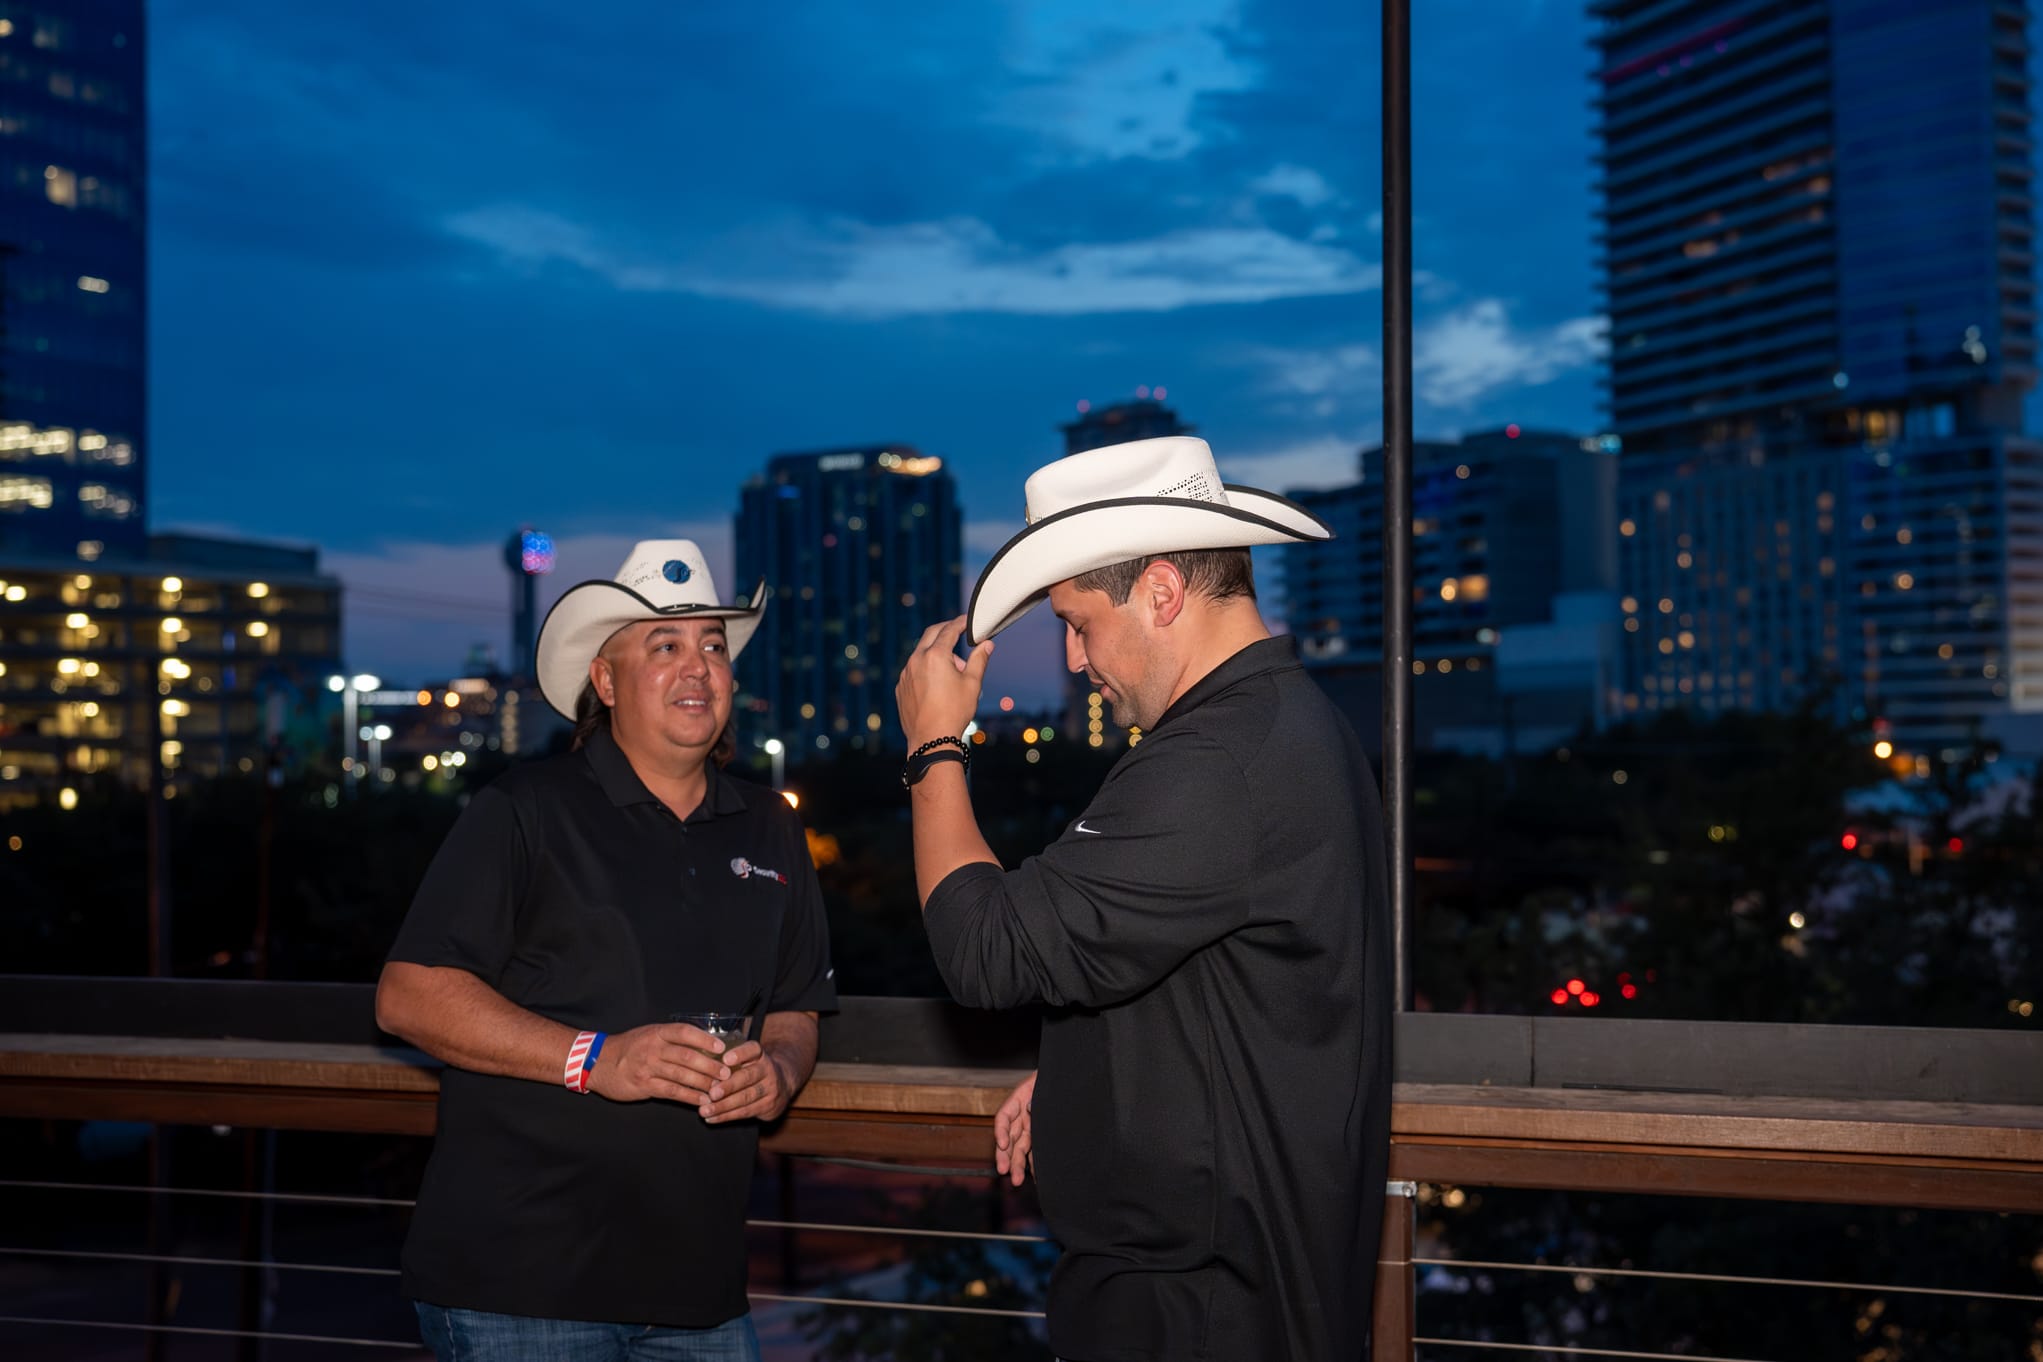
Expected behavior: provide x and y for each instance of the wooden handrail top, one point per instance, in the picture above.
(1421, 1114)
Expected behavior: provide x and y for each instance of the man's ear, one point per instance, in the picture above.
(1163, 590)
(604, 677)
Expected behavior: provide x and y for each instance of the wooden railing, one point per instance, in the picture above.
(1897, 1152)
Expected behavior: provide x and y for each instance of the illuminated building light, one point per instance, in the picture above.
(1033, 755)
(69, 666)
(1028, 735)
(67, 798)
(258, 590)
(90, 283)
(76, 620)
(452, 699)
(429, 761)
(1560, 997)
(173, 585)
(258, 630)
(173, 625)
(1883, 749)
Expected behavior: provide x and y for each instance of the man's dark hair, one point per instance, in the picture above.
(592, 716)
(1217, 574)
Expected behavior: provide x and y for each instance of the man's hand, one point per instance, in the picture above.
(671, 1060)
(1012, 1131)
(760, 1085)
(939, 691)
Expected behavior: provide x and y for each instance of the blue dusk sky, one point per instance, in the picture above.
(422, 273)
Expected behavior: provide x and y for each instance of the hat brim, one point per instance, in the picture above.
(588, 613)
(1102, 533)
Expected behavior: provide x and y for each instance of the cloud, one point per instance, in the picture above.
(1312, 464)
(1475, 351)
(1302, 183)
(1111, 90)
(1457, 360)
(951, 266)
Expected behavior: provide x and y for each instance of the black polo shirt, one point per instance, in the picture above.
(574, 892)
(1213, 1111)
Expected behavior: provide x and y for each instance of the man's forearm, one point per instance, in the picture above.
(460, 1020)
(946, 832)
(790, 1038)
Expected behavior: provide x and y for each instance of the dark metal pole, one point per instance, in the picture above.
(1397, 478)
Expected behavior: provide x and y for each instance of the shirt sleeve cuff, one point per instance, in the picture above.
(951, 916)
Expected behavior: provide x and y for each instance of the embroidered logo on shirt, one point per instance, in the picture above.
(745, 870)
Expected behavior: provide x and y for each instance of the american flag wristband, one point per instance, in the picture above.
(581, 1059)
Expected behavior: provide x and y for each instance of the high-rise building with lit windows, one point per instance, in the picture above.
(73, 278)
(1513, 620)
(207, 656)
(1817, 250)
(862, 549)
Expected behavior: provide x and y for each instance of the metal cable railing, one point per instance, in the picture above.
(1883, 1288)
(1573, 1351)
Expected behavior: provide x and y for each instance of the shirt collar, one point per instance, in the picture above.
(1265, 655)
(619, 781)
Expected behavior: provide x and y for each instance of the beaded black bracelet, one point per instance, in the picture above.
(927, 755)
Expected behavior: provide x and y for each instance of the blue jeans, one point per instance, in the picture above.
(478, 1336)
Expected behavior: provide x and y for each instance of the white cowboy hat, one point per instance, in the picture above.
(662, 579)
(1108, 505)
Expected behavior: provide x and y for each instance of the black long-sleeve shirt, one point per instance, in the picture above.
(1212, 1113)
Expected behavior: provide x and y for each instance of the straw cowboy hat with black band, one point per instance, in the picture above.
(1146, 498)
(662, 579)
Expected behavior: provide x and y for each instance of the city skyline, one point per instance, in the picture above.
(263, 307)
(1100, 208)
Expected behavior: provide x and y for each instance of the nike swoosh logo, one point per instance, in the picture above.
(1080, 825)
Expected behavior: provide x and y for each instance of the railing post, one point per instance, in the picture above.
(1394, 1319)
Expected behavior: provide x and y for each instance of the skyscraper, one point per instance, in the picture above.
(73, 279)
(862, 549)
(1512, 617)
(1818, 256)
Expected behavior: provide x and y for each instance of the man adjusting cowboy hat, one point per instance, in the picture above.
(1210, 1123)
(586, 1194)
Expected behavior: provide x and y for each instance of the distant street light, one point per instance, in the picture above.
(777, 749)
(350, 689)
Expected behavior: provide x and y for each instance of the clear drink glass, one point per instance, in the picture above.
(728, 1027)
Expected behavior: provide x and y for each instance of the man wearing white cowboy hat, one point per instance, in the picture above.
(1210, 1129)
(586, 1194)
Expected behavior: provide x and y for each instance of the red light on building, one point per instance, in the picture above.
(1850, 841)
(1511, 431)
(1624, 976)
(1630, 991)
(1591, 999)
(1576, 987)
(1956, 845)
(1560, 996)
